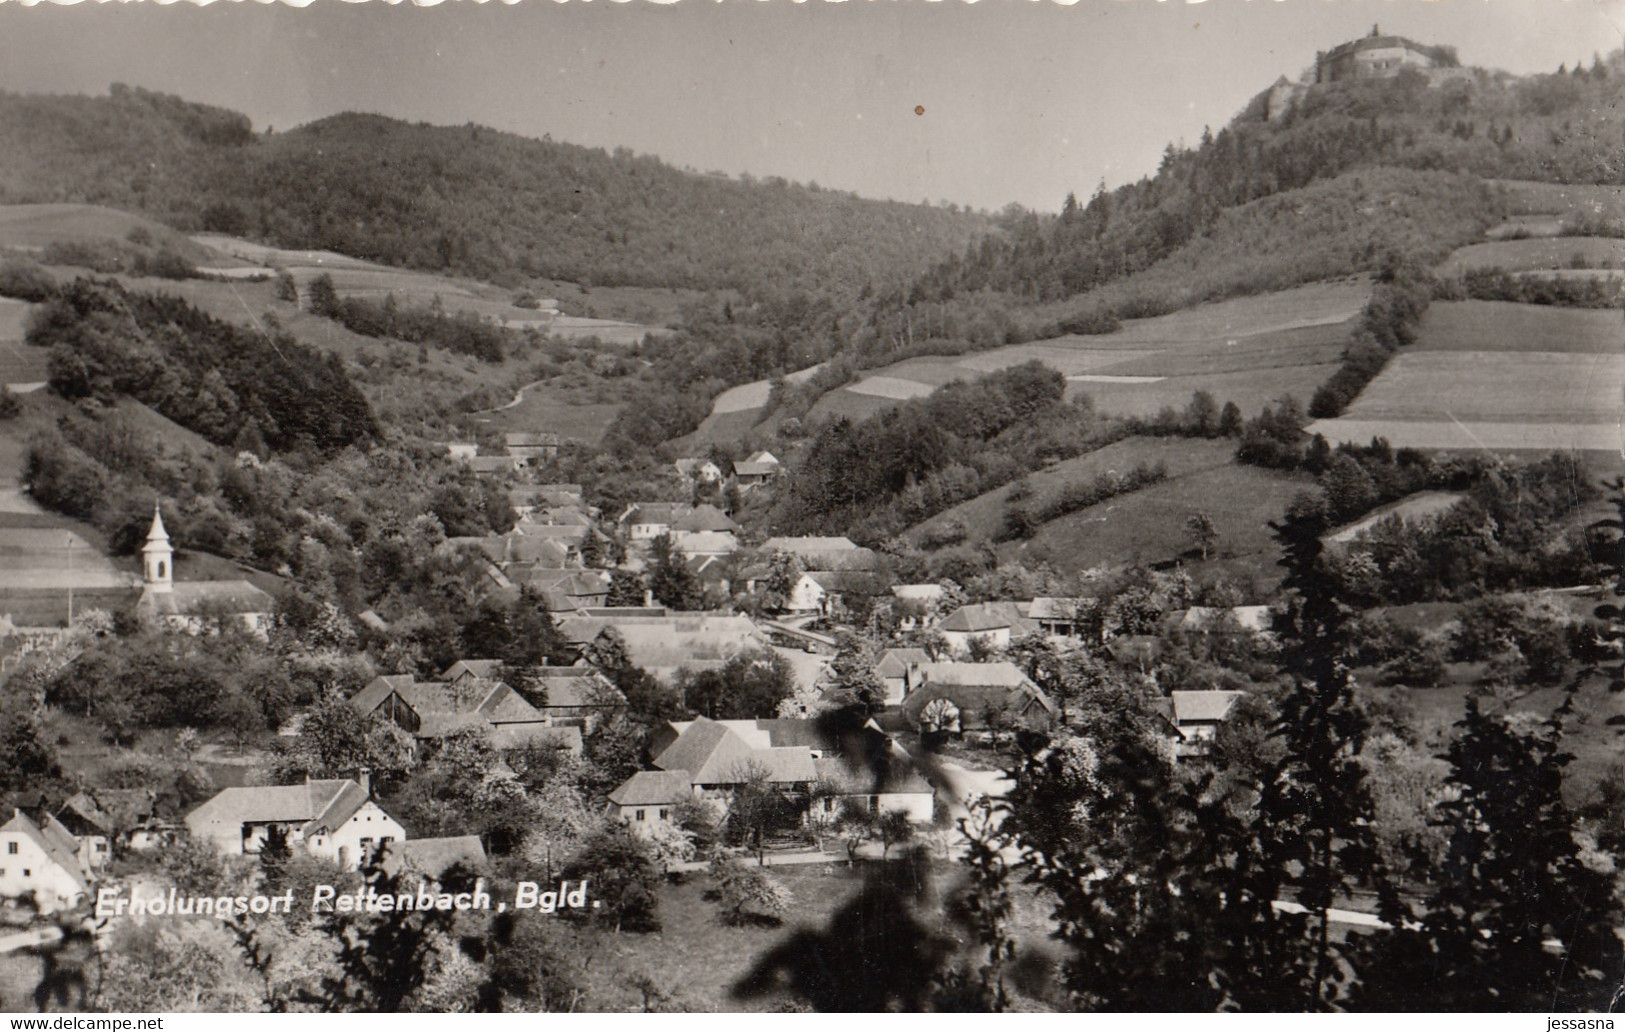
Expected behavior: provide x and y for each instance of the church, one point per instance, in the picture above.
(194, 606)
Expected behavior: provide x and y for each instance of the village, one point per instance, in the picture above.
(941, 687)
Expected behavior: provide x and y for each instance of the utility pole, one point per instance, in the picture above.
(70, 580)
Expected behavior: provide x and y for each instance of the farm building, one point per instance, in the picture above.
(40, 862)
(335, 819)
(956, 697)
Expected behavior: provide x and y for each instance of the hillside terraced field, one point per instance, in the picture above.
(1530, 254)
(30, 227)
(1497, 376)
(1247, 350)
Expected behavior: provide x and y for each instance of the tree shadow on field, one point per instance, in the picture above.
(874, 955)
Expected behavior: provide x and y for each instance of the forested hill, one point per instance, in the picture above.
(1563, 127)
(468, 200)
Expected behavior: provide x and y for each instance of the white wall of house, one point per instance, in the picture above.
(356, 837)
(644, 816)
(959, 641)
(806, 597)
(919, 806)
(648, 531)
(27, 870)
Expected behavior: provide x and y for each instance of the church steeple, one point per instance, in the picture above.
(157, 556)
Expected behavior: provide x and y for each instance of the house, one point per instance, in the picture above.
(756, 470)
(662, 643)
(195, 606)
(1239, 621)
(1198, 715)
(957, 697)
(718, 759)
(842, 587)
(649, 796)
(1058, 617)
(335, 819)
(40, 862)
(1378, 56)
(892, 787)
(91, 827)
(491, 465)
(532, 448)
(566, 590)
(815, 553)
(702, 519)
(465, 671)
(575, 695)
(431, 709)
(790, 636)
(900, 670)
(994, 624)
(432, 858)
(822, 737)
(642, 522)
(702, 544)
(698, 471)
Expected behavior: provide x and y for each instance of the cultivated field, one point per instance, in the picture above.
(1503, 326)
(1526, 198)
(1248, 350)
(1497, 376)
(546, 410)
(982, 516)
(29, 227)
(1149, 526)
(1547, 253)
(1496, 386)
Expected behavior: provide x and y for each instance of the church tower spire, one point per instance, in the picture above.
(157, 556)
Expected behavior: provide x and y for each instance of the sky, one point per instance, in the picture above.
(979, 104)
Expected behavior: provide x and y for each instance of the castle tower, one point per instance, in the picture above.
(157, 557)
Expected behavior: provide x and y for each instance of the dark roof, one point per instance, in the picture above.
(705, 517)
(985, 617)
(713, 753)
(654, 788)
(432, 857)
(53, 840)
(860, 779)
(192, 598)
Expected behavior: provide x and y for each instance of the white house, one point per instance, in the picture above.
(995, 624)
(41, 864)
(649, 797)
(337, 819)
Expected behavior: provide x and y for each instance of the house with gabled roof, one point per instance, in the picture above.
(574, 695)
(698, 471)
(644, 521)
(756, 469)
(430, 710)
(956, 697)
(718, 759)
(336, 819)
(995, 624)
(1198, 715)
(91, 827)
(651, 796)
(39, 862)
(900, 670)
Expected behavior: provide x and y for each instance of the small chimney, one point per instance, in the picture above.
(648, 599)
(364, 776)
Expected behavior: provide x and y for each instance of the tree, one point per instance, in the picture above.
(1314, 808)
(670, 580)
(749, 894)
(335, 741)
(1524, 911)
(621, 871)
(854, 681)
(1199, 526)
(749, 685)
(324, 299)
(894, 829)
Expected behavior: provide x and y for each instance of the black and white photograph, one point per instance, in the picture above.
(765, 506)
